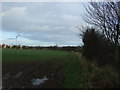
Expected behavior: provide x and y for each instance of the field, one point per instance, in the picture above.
(61, 69)
(34, 64)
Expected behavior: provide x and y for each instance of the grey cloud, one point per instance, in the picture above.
(45, 22)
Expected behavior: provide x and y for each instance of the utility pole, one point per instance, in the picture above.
(17, 38)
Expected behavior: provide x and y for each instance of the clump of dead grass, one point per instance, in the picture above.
(98, 77)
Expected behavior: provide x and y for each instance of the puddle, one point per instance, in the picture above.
(18, 75)
(36, 82)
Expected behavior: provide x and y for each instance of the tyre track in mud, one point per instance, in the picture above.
(31, 70)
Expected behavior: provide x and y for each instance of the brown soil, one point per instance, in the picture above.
(30, 70)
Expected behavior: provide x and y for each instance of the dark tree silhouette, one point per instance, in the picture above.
(97, 47)
(106, 17)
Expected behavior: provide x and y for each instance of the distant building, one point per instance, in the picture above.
(3, 46)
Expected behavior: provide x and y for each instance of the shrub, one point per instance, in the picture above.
(98, 47)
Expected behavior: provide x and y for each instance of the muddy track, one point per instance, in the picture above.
(20, 74)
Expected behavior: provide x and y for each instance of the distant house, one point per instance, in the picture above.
(4, 46)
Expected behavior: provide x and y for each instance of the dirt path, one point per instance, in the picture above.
(19, 75)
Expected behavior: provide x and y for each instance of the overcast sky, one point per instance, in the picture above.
(42, 23)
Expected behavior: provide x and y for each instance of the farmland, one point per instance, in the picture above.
(34, 64)
(61, 69)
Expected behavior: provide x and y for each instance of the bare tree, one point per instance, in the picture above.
(106, 17)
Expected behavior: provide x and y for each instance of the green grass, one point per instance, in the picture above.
(17, 55)
(80, 73)
(69, 62)
(73, 75)
(76, 71)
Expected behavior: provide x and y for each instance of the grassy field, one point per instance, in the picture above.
(18, 55)
(64, 70)
(40, 61)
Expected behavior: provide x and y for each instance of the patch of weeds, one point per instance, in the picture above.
(99, 77)
(80, 73)
(73, 75)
